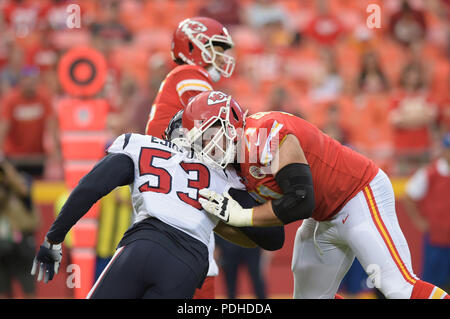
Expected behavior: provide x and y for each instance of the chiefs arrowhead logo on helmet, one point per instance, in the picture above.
(192, 26)
(216, 97)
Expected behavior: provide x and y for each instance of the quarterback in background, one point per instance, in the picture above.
(347, 204)
(198, 47)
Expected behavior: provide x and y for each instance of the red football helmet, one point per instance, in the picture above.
(214, 121)
(194, 40)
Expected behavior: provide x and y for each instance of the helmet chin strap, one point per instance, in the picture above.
(215, 75)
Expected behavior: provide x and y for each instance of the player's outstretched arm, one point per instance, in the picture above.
(268, 238)
(112, 171)
(292, 174)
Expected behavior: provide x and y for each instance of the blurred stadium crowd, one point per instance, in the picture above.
(382, 91)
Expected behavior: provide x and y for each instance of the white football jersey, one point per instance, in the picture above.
(166, 183)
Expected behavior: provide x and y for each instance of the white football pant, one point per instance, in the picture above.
(366, 228)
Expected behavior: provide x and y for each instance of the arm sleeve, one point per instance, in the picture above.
(268, 238)
(112, 171)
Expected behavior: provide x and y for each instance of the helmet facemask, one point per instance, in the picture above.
(211, 55)
(206, 44)
(214, 140)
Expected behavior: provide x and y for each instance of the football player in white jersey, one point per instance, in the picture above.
(164, 253)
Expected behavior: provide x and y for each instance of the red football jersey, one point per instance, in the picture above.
(181, 84)
(338, 172)
(27, 117)
(434, 206)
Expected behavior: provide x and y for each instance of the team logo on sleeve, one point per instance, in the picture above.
(256, 172)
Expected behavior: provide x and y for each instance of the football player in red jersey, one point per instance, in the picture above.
(198, 47)
(346, 202)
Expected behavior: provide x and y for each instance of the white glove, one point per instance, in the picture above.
(226, 208)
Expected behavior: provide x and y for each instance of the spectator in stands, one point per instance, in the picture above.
(371, 77)
(412, 116)
(226, 12)
(334, 126)
(158, 67)
(263, 12)
(55, 17)
(110, 31)
(264, 65)
(427, 202)
(26, 114)
(444, 115)
(45, 56)
(19, 220)
(274, 32)
(10, 73)
(23, 17)
(281, 99)
(327, 83)
(325, 28)
(128, 101)
(408, 25)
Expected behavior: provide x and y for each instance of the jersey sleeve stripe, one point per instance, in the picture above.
(126, 140)
(266, 155)
(194, 85)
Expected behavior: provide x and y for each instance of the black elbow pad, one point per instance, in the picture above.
(297, 202)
